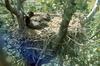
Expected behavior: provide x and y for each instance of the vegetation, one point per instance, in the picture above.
(49, 32)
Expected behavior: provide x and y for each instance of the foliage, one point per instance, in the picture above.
(74, 51)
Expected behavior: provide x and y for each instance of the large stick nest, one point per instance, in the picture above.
(75, 26)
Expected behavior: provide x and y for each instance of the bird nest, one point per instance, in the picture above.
(49, 33)
(75, 27)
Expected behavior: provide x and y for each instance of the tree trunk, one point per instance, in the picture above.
(69, 9)
(21, 23)
(17, 12)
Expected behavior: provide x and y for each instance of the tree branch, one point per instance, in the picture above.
(20, 6)
(67, 15)
(69, 10)
(18, 12)
(10, 8)
(92, 13)
(22, 1)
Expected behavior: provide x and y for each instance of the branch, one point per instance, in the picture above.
(22, 1)
(67, 15)
(20, 6)
(69, 10)
(92, 13)
(10, 8)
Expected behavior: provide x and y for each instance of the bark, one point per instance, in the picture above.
(10, 8)
(21, 23)
(18, 13)
(22, 1)
(69, 10)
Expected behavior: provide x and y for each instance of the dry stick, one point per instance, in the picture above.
(75, 41)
